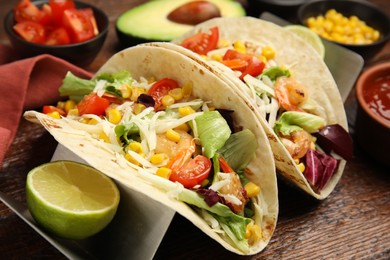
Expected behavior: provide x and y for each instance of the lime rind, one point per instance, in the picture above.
(76, 224)
(309, 37)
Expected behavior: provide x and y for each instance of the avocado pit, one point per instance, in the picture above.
(194, 12)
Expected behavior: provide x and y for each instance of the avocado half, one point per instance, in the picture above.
(148, 22)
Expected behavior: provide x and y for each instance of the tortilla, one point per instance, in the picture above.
(148, 62)
(306, 66)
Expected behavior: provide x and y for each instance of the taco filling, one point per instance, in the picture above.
(281, 100)
(181, 143)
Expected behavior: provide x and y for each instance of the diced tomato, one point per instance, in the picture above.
(193, 172)
(58, 7)
(255, 65)
(201, 42)
(31, 31)
(25, 10)
(235, 64)
(161, 88)
(224, 165)
(93, 104)
(51, 109)
(58, 37)
(79, 24)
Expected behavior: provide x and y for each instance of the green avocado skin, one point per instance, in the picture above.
(148, 22)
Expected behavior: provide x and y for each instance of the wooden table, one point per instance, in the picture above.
(353, 223)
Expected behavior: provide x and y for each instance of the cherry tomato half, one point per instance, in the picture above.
(161, 88)
(193, 172)
(201, 42)
(93, 104)
(254, 65)
(31, 31)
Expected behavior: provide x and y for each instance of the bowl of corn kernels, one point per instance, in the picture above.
(355, 24)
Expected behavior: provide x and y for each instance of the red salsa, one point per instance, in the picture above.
(377, 97)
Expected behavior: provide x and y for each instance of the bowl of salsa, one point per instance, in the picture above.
(373, 116)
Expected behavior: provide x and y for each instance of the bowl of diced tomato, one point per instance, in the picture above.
(71, 30)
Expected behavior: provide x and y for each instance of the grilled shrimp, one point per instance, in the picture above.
(297, 143)
(171, 148)
(290, 93)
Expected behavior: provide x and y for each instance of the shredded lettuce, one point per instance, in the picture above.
(75, 86)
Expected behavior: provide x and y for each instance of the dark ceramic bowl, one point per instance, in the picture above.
(365, 11)
(81, 54)
(373, 130)
(286, 9)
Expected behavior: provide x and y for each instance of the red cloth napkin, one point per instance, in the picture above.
(28, 84)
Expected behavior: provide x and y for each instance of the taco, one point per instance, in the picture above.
(161, 124)
(290, 89)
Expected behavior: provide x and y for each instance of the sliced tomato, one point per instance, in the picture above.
(161, 88)
(254, 65)
(58, 7)
(193, 172)
(201, 42)
(31, 31)
(25, 10)
(79, 24)
(58, 37)
(93, 104)
(51, 109)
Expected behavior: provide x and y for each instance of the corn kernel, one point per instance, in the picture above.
(114, 116)
(167, 100)
(173, 135)
(73, 112)
(61, 104)
(164, 172)
(268, 52)
(185, 111)
(54, 114)
(239, 46)
(126, 91)
(92, 121)
(253, 233)
(222, 43)
(216, 57)
(138, 108)
(131, 159)
(135, 147)
(263, 59)
(312, 146)
(187, 89)
(103, 136)
(176, 93)
(69, 104)
(301, 167)
(252, 189)
(184, 127)
(158, 158)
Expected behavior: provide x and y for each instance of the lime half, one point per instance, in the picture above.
(70, 199)
(308, 36)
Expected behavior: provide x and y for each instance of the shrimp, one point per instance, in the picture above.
(290, 93)
(297, 143)
(234, 188)
(171, 148)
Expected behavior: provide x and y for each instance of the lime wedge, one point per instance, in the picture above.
(308, 36)
(70, 199)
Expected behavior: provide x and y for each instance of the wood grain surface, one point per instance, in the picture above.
(352, 223)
